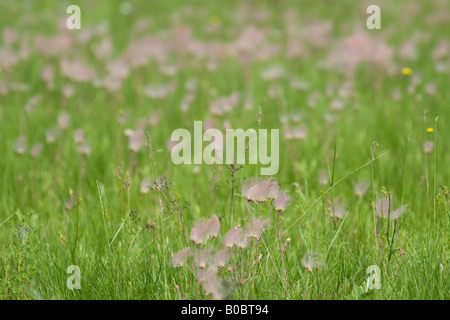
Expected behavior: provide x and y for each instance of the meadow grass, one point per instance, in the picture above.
(123, 240)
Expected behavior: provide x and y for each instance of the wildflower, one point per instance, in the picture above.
(68, 90)
(224, 104)
(154, 118)
(202, 274)
(262, 190)
(47, 74)
(249, 189)
(199, 232)
(295, 133)
(77, 70)
(248, 103)
(312, 99)
(273, 189)
(383, 209)
(337, 209)
(213, 227)
(430, 130)
(63, 120)
(78, 136)
(312, 260)
(242, 241)
(361, 187)
(212, 284)
(382, 206)
(323, 177)
(273, 72)
(21, 144)
(103, 48)
(430, 89)
(337, 104)
(135, 138)
(111, 83)
(84, 148)
(407, 71)
(145, 185)
(220, 258)
(428, 146)
(232, 237)
(179, 258)
(281, 201)
(50, 135)
(34, 100)
(171, 144)
(158, 91)
(203, 258)
(256, 227)
(36, 150)
(398, 212)
(118, 68)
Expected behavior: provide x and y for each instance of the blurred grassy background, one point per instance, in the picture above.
(138, 265)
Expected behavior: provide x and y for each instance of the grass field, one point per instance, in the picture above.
(87, 178)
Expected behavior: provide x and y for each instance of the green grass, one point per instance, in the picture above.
(123, 240)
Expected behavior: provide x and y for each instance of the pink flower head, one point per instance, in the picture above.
(36, 150)
(63, 120)
(51, 134)
(213, 227)
(361, 187)
(171, 144)
(21, 144)
(428, 146)
(179, 258)
(398, 212)
(232, 237)
(263, 188)
(212, 285)
(220, 258)
(273, 189)
(77, 70)
(203, 258)
(281, 201)
(135, 139)
(242, 241)
(382, 206)
(296, 133)
(312, 260)
(323, 177)
(145, 185)
(84, 148)
(158, 91)
(256, 227)
(337, 209)
(250, 189)
(199, 232)
(78, 136)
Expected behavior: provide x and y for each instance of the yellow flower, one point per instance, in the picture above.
(430, 130)
(407, 71)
